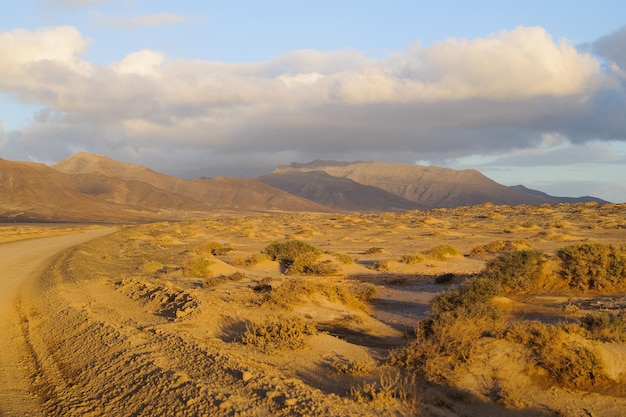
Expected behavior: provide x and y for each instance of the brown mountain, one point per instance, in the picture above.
(36, 192)
(341, 194)
(429, 186)
(221, 193)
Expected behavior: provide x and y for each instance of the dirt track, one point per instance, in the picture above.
(21, 263)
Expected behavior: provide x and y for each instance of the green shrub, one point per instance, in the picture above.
(198, 267)
(517, 270)
(471, 298)
(593, 266)
(296, 256)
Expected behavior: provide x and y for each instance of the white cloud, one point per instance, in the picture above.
(124, 22)
(75, 3)
(144, 63)
(60, 45)
(505, 93)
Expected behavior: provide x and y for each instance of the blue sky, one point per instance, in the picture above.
(527, 92)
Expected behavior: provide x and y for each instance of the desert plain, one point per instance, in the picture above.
(472, 311)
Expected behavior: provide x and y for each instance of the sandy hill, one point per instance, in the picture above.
(430, 186)
(339, 193)
(247, 194)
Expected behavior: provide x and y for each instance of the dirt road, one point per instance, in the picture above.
(21, 263)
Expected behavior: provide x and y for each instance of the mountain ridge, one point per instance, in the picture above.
(431, 186)
(93, 188)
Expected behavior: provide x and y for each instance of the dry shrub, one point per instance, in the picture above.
(282, 332)
(442, 252)
(593, 266)
(605, 326)
(412, 259)
(291, 292)
(357, 295)
(198, 267)
(373, 250)
(342, 365)
(323, 268)
(210, 282)
(151, 266)
(383, 390)
(251, 260)
(343, 258)
(499, 246)
(214, 248)
(445, 343)
(382, 266)
(568, 360)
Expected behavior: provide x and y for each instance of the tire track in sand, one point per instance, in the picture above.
(21, 264)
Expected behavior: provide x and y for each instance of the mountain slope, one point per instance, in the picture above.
(339, 193)
(36, 192)
(429, 186)
(557, 200)
(216, 193)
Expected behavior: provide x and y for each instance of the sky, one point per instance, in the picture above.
(530, 93)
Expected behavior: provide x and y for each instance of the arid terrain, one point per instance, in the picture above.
(472, 311)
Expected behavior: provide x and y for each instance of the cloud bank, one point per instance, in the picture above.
(500, 94)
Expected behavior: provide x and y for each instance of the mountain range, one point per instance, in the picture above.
(92, 188)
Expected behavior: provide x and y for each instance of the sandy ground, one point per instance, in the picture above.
(22, 263)
(119, 325)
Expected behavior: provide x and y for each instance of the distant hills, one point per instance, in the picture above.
(92, 188)
(425, 186)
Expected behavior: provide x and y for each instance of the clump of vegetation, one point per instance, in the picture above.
(389, 386)
(593, 266)
(251, 260)
(215, 248)
(373, 250)
(382, 266)
(278, 333)
(568, 360)
(412, 259)
(198, 267)
(499, 246)
(211, 281)
(443, 252)
(516, 271)
(470, 299)
(323, 268)
(605, 326)
(151, 266)
(343, 258)
(356, 295)
(298, 257)
(346, 366)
